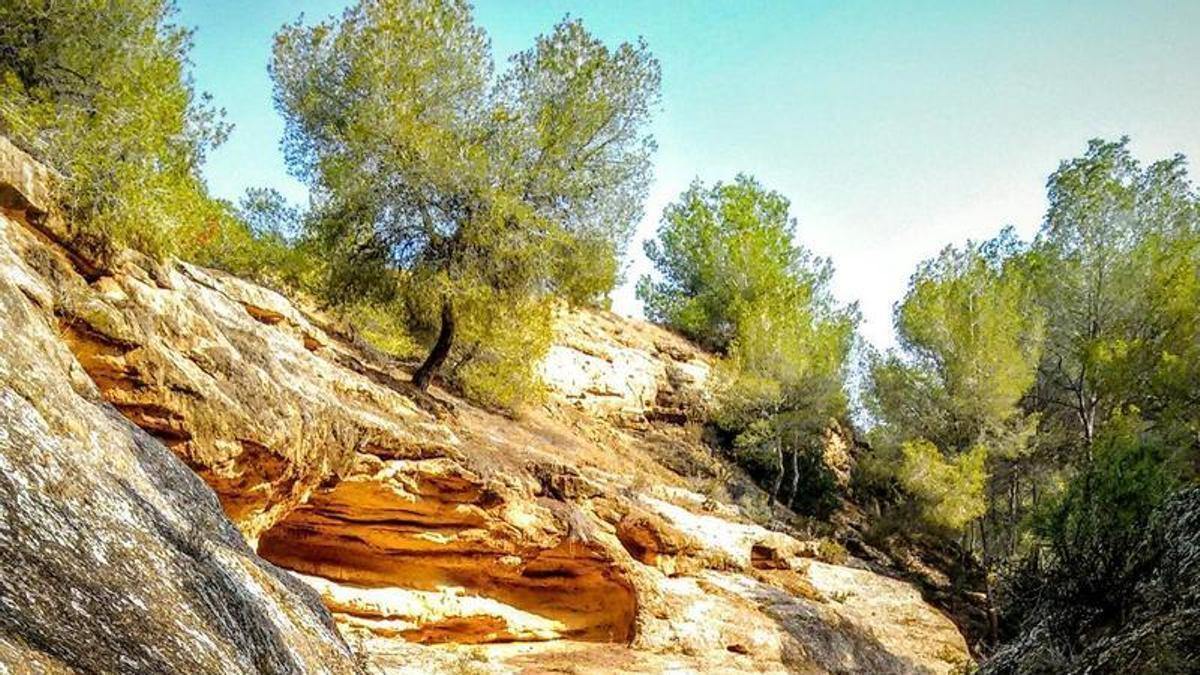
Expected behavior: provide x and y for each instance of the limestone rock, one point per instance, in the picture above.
(114, 556)
(623, 370)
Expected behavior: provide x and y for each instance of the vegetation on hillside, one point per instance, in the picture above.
(733, 278)
(473, 199)
(452, 207)
(98, 90)
(1041, 402)
(113, 111)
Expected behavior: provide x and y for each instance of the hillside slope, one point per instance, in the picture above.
(441, 536)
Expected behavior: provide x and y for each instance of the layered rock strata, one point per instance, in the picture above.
(114, 556)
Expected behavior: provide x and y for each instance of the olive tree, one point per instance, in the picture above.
(433, 173)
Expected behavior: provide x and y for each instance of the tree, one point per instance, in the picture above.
(969, 327)
(971, 339)
(725, 254)
(1117, 275)
(951, 490)
(1115, 263)
(97, 90)
(732, 277)
(429, 172)
(951, 429)
(1068, 366)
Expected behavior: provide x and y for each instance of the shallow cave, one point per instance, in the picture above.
(435, 570)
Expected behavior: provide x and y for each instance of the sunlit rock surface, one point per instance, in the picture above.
(441, 536)
(114, 556)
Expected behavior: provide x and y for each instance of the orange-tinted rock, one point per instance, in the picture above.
(114, 556)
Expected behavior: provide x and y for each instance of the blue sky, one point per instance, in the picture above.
(894, 127)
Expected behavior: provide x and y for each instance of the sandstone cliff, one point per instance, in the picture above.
(114, 557)
(440, 536)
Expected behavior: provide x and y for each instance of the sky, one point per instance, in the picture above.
(895, 128)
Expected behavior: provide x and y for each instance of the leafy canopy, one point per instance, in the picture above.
(727, 260)
(732, 277)
(970, 337)
(1116, 265)
(951, 490)
(1045, 392)
(97, 89)
(970, 340)
(430, 171)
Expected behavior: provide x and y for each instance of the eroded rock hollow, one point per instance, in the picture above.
(423, 550)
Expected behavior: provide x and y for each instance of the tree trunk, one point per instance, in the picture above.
(993, 617)
(795, 480)
(778, 481)
(441, 350)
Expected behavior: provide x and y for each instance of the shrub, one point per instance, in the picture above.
(1092, 528)
(383, 326)
(111, 109)
(1086, 558)
(496, 360)
(830, 551)
(950, 491)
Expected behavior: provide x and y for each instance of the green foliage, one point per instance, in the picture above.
(731, 271)
(1044, 402)
(830, 551)
(429, 171)
(732, 278)
(1091, 528)
(950, 491)
(967, 317)
(385, 327)
(1116, 268)
(971, 336)
(1117, 275)
(1090, 554)
(498, 354)
(97, 90)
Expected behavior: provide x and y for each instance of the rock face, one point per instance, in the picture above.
(573, 537)
(114, 556)
(625, 371)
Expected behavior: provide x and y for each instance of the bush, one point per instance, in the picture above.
(384, 327)
(830, 551)
(1086, 558)
(110, 108)
(950, 491)
(1092, 526)
(497, 356)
